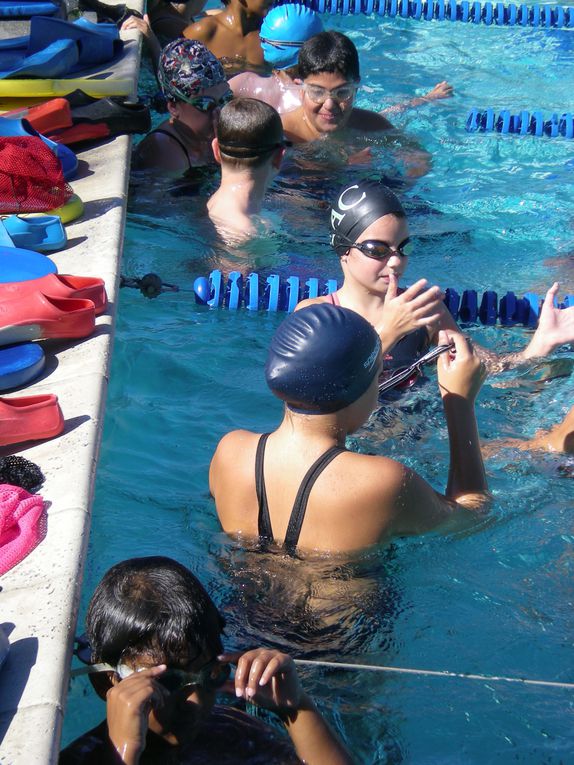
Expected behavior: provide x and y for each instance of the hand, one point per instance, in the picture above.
(128, 706)
(460, 371)
(441, 90)
(555, 327)
(142, 25)
(415, 307)
(362, 157)
(267, 678)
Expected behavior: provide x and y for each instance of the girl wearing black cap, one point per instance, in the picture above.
(369, 232)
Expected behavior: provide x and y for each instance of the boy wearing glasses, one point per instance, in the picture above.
(155, 635)
(329, 70)
(194, 85)
(249, 145)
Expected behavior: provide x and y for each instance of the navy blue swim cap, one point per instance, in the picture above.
(356, 207)
(322, 358)
(283, 32)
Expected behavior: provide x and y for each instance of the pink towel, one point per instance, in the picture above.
(22, 524)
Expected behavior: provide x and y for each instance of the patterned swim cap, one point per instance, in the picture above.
(186, 69)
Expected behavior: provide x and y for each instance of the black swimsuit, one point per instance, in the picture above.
(299, 506)
(178, 141)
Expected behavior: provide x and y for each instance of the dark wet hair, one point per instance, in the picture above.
(152, 606)
(330, 52)
(248, 131)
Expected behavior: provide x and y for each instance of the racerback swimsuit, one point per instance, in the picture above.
(299, 506)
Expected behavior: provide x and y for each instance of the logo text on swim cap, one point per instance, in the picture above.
(337, 217)
(372, 358)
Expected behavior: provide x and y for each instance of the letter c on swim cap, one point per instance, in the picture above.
(358, 201)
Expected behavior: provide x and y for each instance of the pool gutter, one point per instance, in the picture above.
(40, 596)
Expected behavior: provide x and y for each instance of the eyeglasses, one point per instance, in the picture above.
(375, 248)
(207, 104)
(319, 95)
(405, 378)
(209, 677)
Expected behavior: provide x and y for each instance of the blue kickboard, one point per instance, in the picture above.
(20, 364)
(18, 265)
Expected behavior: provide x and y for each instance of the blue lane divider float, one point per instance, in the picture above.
(276, 293)
(499, 14)
(523, 123)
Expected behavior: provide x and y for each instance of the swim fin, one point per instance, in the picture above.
(30, 418)
(43, 234)
(60, 286)
(35, 316)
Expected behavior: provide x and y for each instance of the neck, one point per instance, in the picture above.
(237, 17)
(327, 429)
(243, 190)
(360, 299)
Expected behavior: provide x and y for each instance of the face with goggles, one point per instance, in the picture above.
(382, 249)
(184, 693)
(328, 101)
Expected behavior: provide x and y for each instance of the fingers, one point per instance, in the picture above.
(256, 668)
(393, 286)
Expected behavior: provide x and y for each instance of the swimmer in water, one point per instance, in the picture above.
(284, 30)
(370, 233)
(232, 35)
(329, 71)
(194, 84)
(158, 661)
(249, 145)
(299, 487)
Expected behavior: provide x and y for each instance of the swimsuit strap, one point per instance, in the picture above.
(263, 519)
(333, 298)
(178, 141)
(300, 504)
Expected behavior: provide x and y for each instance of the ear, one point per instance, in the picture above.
(278, 158)
(216, 151)
(173, 109)
(297, 81)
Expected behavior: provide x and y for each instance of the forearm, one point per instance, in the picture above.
(466, 472)
(315, 742)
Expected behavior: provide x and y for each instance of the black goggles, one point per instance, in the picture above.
(405, 378)
(378, 250)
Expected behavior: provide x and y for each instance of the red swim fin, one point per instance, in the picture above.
(29, 418)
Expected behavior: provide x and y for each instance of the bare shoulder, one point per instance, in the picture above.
(161, 151)
(312, 301)
(234, 441)
(364, 119)
(202, 30)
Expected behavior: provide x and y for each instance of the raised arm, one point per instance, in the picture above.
(460, 376)
(441, 90)
(269, 679)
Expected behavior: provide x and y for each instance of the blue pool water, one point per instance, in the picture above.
(495, 212)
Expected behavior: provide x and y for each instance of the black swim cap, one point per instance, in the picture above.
(358, 206)
(322, 358)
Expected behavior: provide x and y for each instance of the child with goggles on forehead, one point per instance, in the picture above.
(194, 85)
(158, 660)
(369, 232)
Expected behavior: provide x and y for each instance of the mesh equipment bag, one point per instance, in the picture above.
(31, 178)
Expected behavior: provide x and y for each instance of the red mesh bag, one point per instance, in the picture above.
(31, 178)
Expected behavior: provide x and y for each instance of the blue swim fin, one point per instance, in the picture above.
(97, 43)
(56, 60)
(42, 234)
(18, 265)
(15, 10)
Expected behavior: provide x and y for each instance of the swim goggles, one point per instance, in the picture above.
(405, 378)
(209, 677)
(207, 104)
(375, 248)
(319, 95)
(281, 43)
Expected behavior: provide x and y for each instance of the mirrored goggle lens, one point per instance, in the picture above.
(320, 95)
(207, 103)
(381, 251)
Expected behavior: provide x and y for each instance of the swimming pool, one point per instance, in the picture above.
(495, 212)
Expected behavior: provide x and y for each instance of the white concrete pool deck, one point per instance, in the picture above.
(39, 597)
